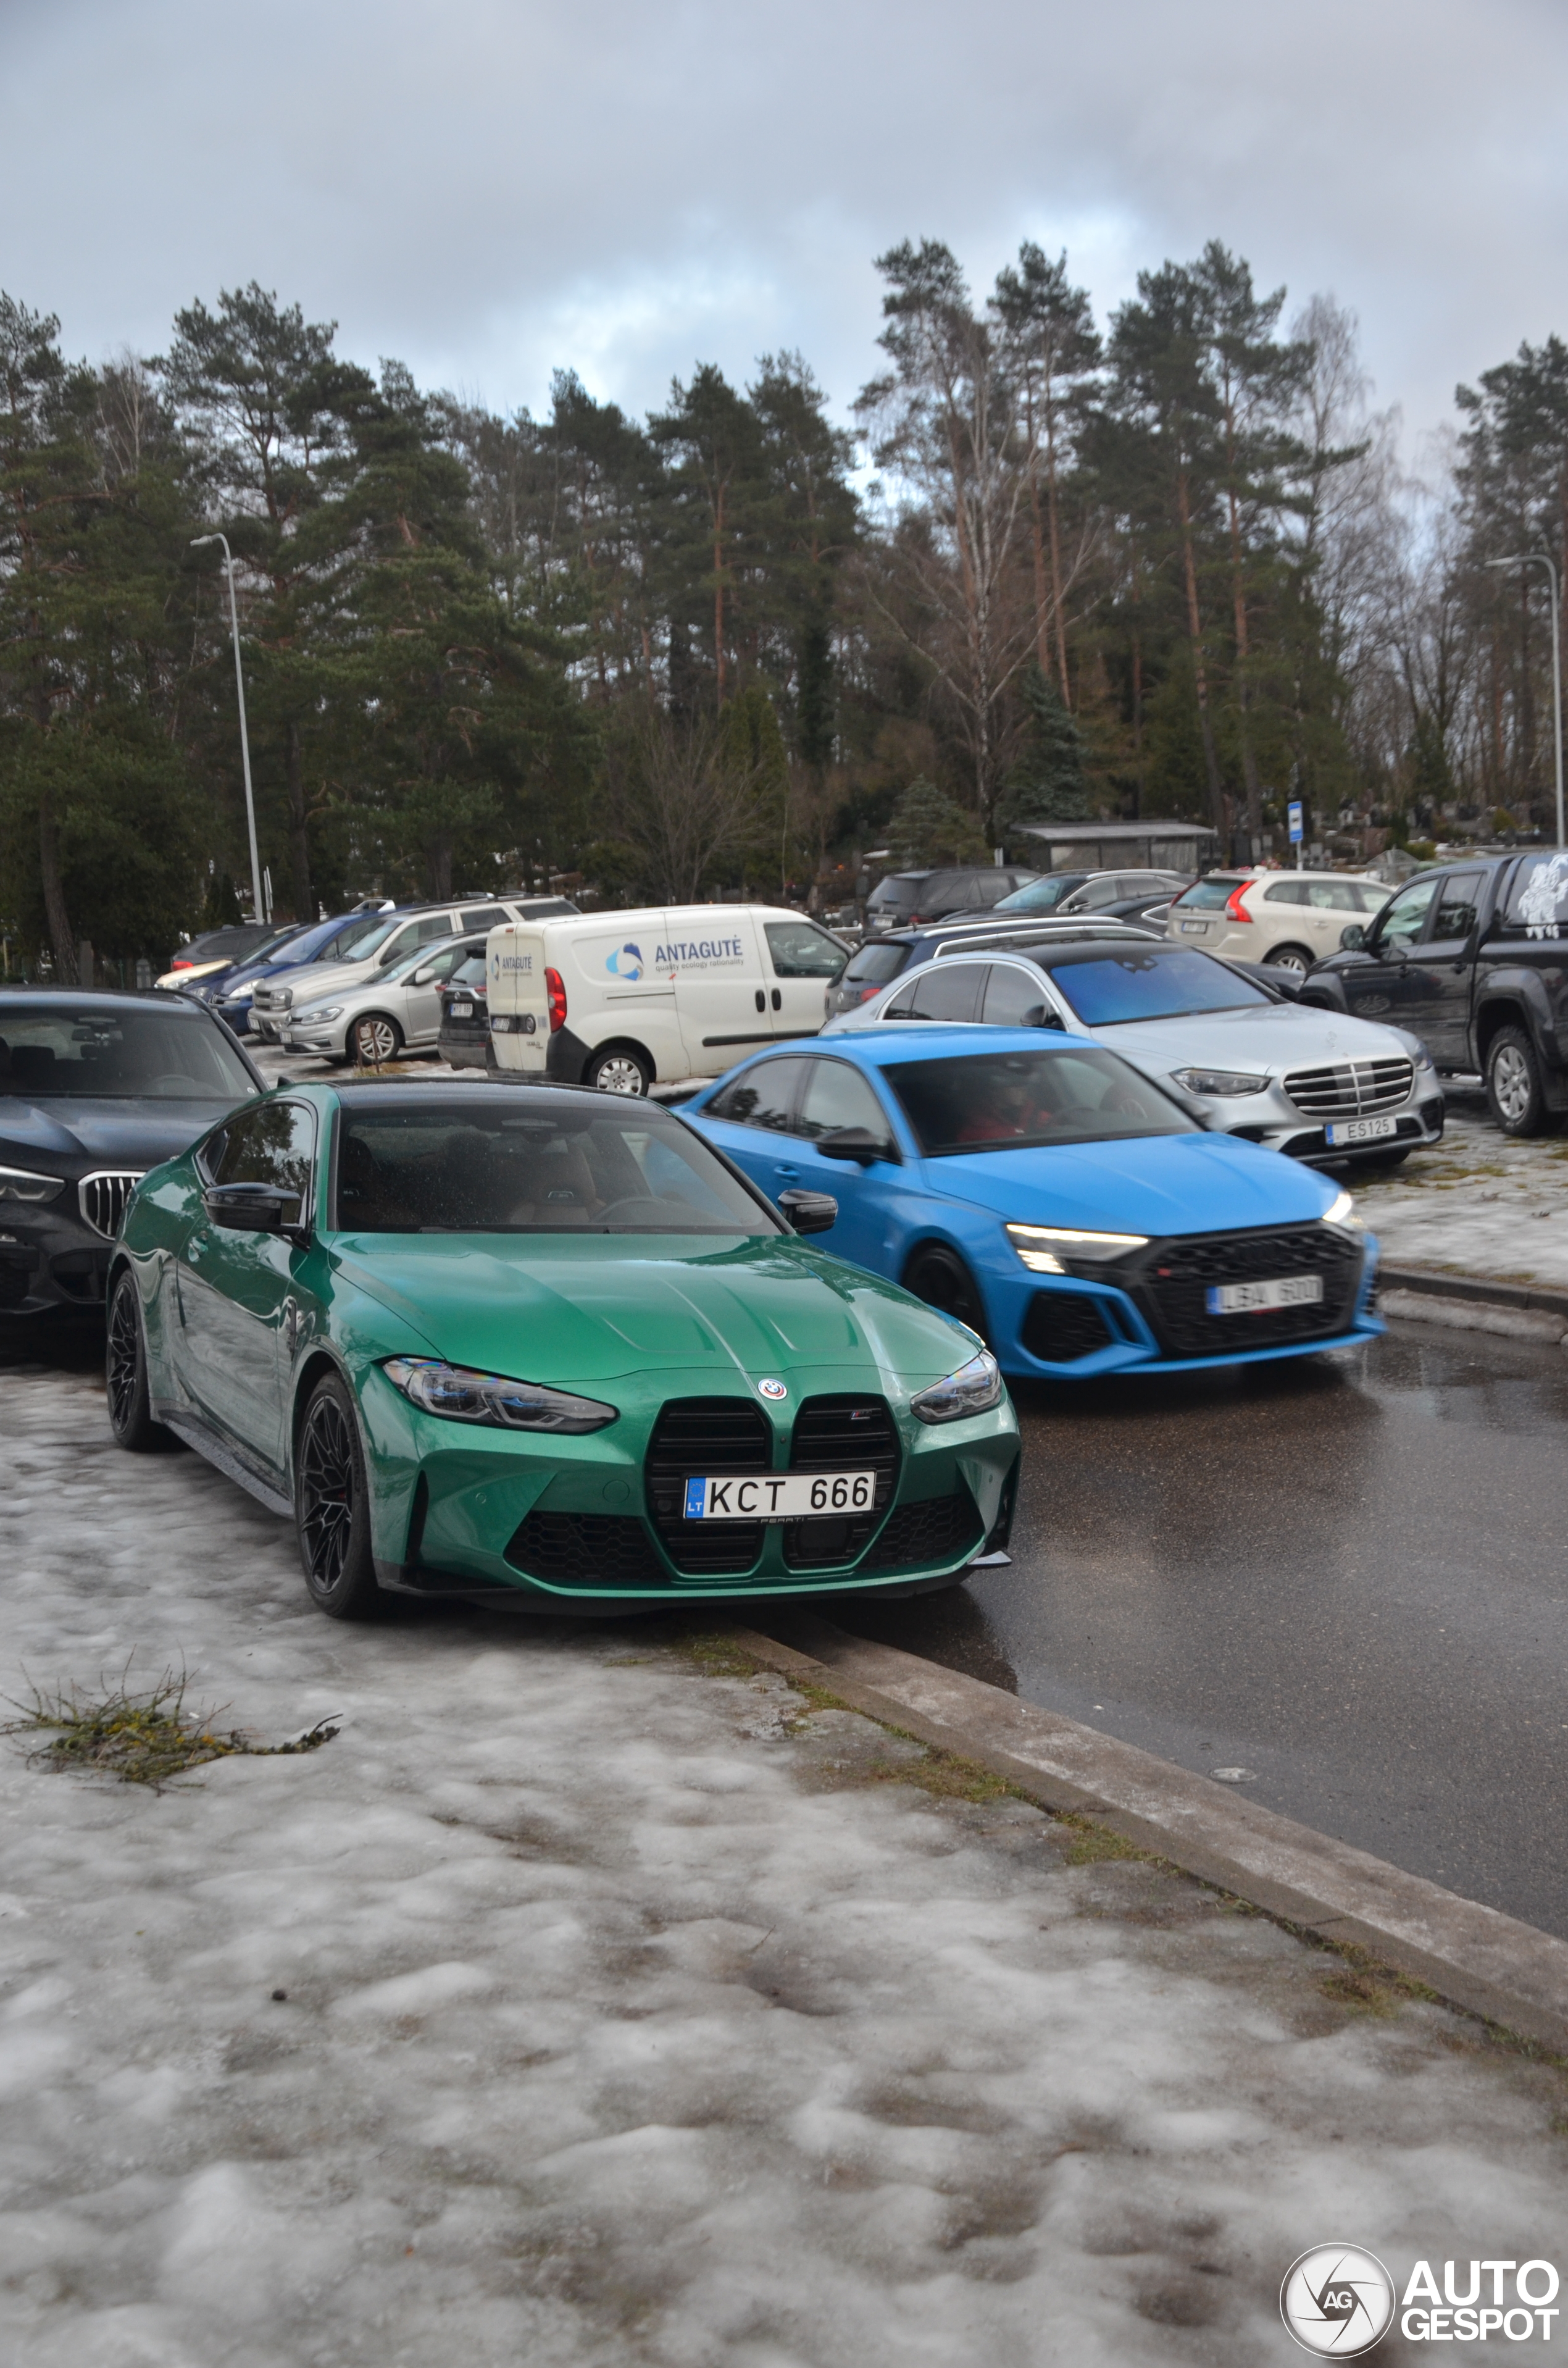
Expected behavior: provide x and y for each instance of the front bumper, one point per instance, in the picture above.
(50, 1257)
(331, 1042)
(1083, 1328)
(567, 1522)
(1271, 1118)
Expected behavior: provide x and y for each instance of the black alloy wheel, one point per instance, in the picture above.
(125, 1376)
(1514, 1089)
(332, 1508)
(941, 1279)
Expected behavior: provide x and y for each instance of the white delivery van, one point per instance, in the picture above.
(628, 1000)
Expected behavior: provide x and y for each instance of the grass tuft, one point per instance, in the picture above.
(137, 1738)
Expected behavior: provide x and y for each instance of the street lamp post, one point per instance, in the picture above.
(1539, 559)
(196, 542)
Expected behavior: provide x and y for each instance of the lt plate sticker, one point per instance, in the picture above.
(792, 1496)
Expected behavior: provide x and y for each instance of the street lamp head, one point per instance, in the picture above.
(197, 540)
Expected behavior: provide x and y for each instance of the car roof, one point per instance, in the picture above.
(111, 998)
(872, 1049)
(481, 1093)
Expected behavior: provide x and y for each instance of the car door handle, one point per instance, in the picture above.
(789, 1174)
(778, 999)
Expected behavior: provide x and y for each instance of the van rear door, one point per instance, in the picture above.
(520, 1005)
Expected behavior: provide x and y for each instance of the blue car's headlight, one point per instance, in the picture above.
(975, 1388)
(466, 1396)
(1062, 1249)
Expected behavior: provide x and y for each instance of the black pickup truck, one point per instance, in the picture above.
(1473, 959)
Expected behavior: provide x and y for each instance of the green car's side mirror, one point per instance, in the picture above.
(1352, 938)
(253, 1207)
(810, 1213)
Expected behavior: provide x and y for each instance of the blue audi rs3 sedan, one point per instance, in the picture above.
(1053, 1199)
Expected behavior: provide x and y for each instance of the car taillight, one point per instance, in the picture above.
(867, 992)
(557, 994)
(178, 964)
(1233, 906)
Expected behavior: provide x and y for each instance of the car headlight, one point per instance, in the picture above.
(1045, 1250)
(1342, 1213)
(1420, 1055)
(466, 1396)
(319, 1019)
(1226, 1084)
(22, 1184)
(975, 1388)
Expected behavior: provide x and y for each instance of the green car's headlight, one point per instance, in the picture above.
(21, 1184)
(975, 1388)
(466, 1396)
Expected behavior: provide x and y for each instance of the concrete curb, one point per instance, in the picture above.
(1432, 1282)
(1474, 1315)
(1473, 1956)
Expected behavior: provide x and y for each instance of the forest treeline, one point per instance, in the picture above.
(1168, 563)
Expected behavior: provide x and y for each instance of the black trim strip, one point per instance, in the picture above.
(797, 1036)
(222, 1457)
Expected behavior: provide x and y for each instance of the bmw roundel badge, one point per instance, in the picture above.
(771, 1389)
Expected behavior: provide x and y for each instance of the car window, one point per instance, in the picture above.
(427, 1165)
(1094, 893)
(416, 933)
(948, 990)
(1370, 895)
(1402, 922)
(1536, 905)
(797, 949)
(875, 965)
(1333, 896)
(482, 917)
(763, 1095)
(427, 969)
(470, 972)
(1042, 895)
(837, 1095)
(1008, 1101)
(986, 888)
(1107, 990)
(60, 1047)
(1209, 895)
(1281, 892)
(1456, 905)
(1012, 996)
(274, 1144)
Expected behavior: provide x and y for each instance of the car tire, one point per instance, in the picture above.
(1296, 958)
(374, 1041)
(941, 1278)
(619, 1069)
(331, 1505)
(1515, 1094)
(125, 1376)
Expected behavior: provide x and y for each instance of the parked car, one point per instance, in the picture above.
(625, 1000)
(396, 1010)
(1052, 892)
(1044, 1193)
(230, 992)
(394, 935)
(462, 1038)
(1288, 918)
(216, 949)
(1474, 957)
(94, 1088)
(548, 1345)
(879, 963)
(1318, 1087)
(899, 898)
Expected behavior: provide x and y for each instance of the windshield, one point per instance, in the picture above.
(69, 1048)
(1042, 895)
(1008, 1101)
(462, 1167)
(1106, 989)
(1212, 895)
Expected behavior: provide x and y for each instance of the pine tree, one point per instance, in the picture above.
(928, 829)
(1048, 782)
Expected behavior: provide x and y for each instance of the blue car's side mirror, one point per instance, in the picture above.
(856, 1143)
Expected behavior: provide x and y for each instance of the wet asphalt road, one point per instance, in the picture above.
(1348, 1577)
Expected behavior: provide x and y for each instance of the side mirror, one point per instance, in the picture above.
(1039, 1015)
(810, 1213)
(254, 1208)
(856, 1142)
(1352, 938)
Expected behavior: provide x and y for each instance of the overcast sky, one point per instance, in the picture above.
(492, 189)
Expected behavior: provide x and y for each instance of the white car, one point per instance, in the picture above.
(1288, 918)
(276, 1001)
(1316, 1084)
(397, 1010)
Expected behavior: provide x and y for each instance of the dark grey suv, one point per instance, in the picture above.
(903, 899)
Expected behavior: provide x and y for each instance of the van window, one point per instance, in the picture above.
(799, 951)
(762, 1096)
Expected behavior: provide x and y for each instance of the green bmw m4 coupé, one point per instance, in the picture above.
(479, 1338)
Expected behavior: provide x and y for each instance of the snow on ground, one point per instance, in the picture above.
(577, 2005)
(1479, 1203)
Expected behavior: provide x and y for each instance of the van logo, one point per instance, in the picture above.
(625, 962)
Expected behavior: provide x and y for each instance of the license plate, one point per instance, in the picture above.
(1360, 1130)
(1251, 1298)
(1196, 929)
(789, 1496)
(462, 1011)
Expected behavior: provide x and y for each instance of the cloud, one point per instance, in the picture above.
(492, 189)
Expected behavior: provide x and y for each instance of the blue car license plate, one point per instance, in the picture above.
(1254, 1298)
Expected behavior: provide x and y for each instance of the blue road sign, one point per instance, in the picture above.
(1294, 812)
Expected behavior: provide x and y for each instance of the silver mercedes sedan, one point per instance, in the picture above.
(1246, 1056)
